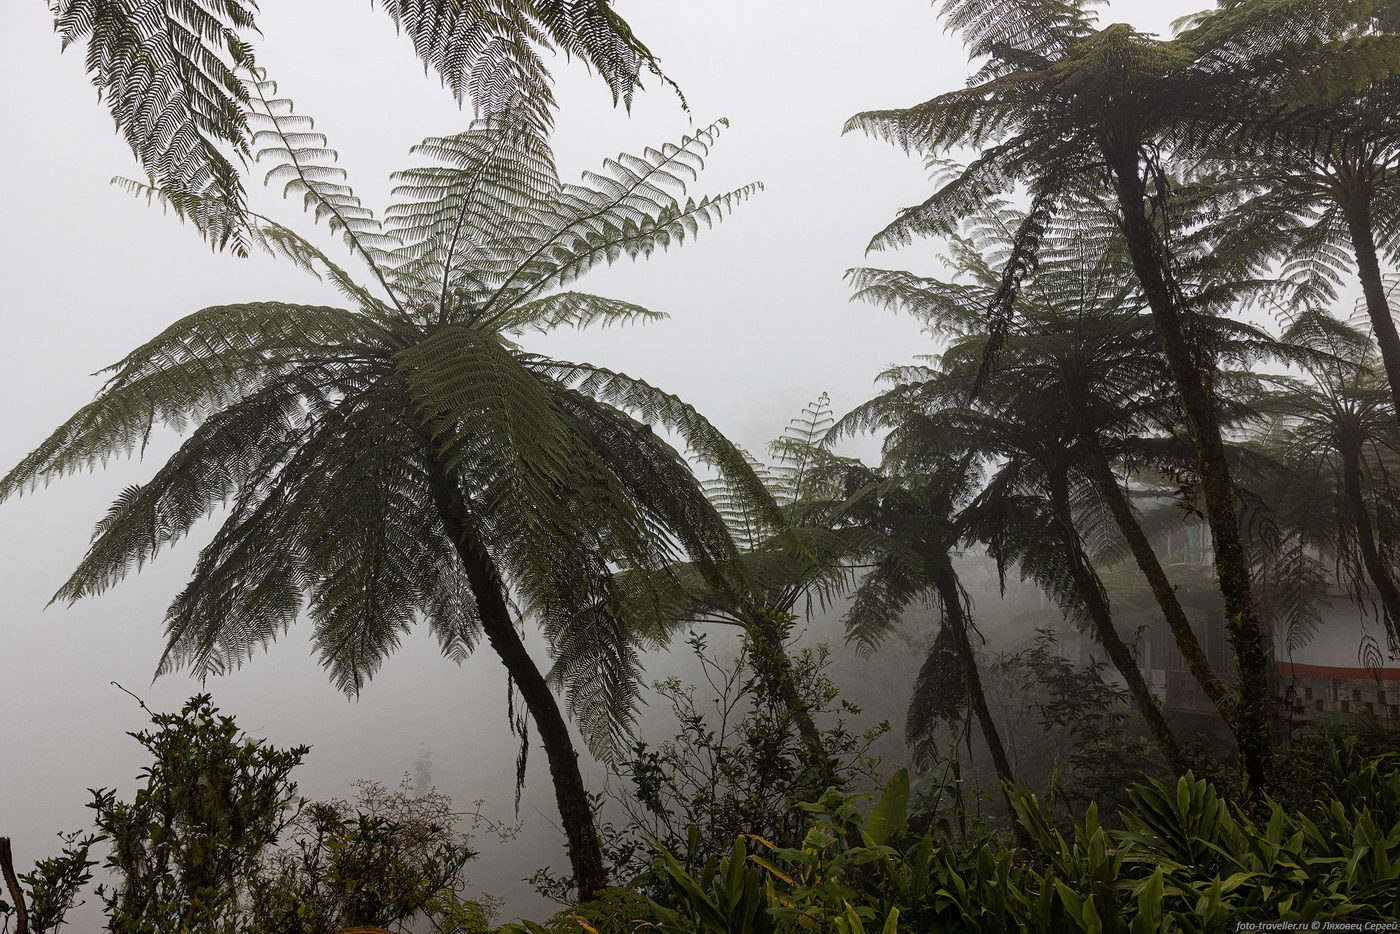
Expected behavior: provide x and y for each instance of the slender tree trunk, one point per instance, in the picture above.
(7, 870)
(571, 795)
(764, 631)
(1357, 209)
(1376, 569)
(1151, 567)
(1193, 378)
(951, 598)
(1090, 588)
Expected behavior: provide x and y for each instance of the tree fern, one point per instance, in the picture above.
(1062, 109)
(404, 460)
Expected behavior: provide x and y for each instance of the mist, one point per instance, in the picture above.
(760, 323)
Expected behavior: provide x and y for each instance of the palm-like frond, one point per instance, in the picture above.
(169, 71)
(173, 74)
(489, 51)
(630, 209)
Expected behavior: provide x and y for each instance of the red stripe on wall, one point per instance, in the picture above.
(1295, 670)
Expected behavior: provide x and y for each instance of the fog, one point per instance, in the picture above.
(760, 324)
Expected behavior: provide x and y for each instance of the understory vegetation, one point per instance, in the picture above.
(1150, 399)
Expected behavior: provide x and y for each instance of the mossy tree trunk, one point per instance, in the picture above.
(1382, 581)
(570, 793)
(1193, 377)
(776, 667)
(1355, 203)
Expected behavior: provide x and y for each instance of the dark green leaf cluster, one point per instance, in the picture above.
(212, 802)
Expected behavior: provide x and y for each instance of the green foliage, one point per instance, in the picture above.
(52, 888)
(614, 911)
(737, 764)
(1094, 747)
(173, 76)
(362, 450)
(213, 802)
(1324, 459)
(387, 858)
(1186, 862)
(216, 841)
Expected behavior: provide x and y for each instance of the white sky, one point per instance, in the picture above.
(760, 324)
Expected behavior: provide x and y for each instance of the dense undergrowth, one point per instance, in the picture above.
(217, 839)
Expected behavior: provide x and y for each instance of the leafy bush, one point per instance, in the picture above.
(1187, 861)
(1092, 740)
(213, 802)
(216, 841)
(387, 858)
(614, 911)
(737, 764)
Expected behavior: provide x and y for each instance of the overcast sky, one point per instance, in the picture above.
(760, 324)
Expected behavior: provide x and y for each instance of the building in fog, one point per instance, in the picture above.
(1344, 668)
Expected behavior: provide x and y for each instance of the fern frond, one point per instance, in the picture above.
(489, 50)
(169, 71)
(451, 218)
(303, 163)
(653, 406)
(206, 360)
(575, 310)
(261, 231)
(629, 209)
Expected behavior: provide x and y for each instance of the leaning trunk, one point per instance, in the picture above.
(1357, 209)
(951, 597)
(1151, 567)
(764, 631)
(1192, 375)
(1381, 579)
(1090, 589)
(575, 807)
(776, 667)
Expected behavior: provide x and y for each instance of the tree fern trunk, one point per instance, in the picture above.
(1357, 210)
(1376, 569)
(1090, 588)
(764, 631)
(570, 793)
(1157, 580)
(951, 598)
(1254, 706)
